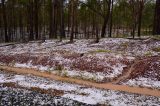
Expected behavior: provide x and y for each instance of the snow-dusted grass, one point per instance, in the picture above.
(96, 76)
(130, 47)
(107, 55)
(143, 82)
(29, 65)
(22, 97)
(147, 74)
(81, 93)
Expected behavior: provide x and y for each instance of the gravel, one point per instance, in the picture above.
(22, 97)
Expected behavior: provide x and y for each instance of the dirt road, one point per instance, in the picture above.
(136, 90)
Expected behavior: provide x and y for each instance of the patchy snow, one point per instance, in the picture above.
(96, 76)
(29, 65)
(23, 97)
(145, 74)
(144, 82)
(107, 56)
(105, 59)
(81, 93)
(134, 47)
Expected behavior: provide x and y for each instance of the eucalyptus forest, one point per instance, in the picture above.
(79, 52)
(27, 20)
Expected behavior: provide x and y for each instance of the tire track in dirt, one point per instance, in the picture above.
(130, 69)
(126, 75)
(110, 86)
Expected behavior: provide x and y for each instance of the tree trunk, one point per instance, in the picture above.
(21, 25)
(1, 35)
(36, 18)
(51, 14)
(93, 25)
(30, 18)
(135, 17)
(140, 17)
(97, 34)
(133, 30)
(156, 25)
(5, 21)
(62, 30)
(103, 32)
(111, 23)
(53, 23)
(106, 18)
(72, 21)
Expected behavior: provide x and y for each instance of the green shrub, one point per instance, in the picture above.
(148, 53)
(12, 63)
(156, 49)
(59, 69)
(65, 73)
(49, 70)
(100, 51)
(124, 44)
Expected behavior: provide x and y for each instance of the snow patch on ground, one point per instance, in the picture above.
(144, 82)
(106, 51)
(29, 65)
(81, 93)
(96, 76)
(130, 47)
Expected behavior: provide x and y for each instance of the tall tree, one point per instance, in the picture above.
(73, 4)
(141, 7)
(20, 21)
(1, 26)
(103, 10)
(83, 19)
(106, 17)
(5, 20)
(53, 18)
(111, 20)
(36, 18)
(30, 19)
(51, 29)
(62, 30)
(134, 9)
(156, 26)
